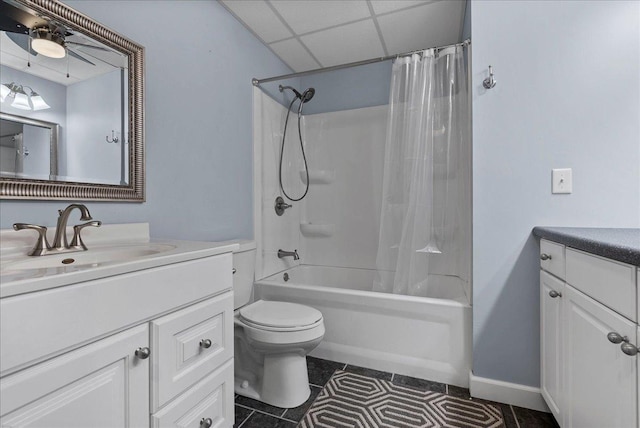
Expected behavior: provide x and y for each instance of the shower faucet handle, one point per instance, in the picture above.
(281, 205)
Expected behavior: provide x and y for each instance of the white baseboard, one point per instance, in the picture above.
(506, 392)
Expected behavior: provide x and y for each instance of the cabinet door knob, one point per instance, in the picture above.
(205, 343)
(629, 349)
(544, 256)
(554, 294)
(233, 271)
(143, 353)
(616, 338)
(206, 423)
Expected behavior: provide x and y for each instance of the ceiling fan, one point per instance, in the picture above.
(46, 36)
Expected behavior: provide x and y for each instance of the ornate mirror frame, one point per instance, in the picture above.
(14, 188)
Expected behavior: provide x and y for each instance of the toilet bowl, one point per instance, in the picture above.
(272, 340)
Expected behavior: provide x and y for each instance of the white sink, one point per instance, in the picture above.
(91, 257)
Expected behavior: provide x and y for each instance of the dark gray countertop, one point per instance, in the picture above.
(622, 245)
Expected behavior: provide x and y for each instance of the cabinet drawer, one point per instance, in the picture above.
(552, 258)
(180, 357)
(211, 398)
(610, 283)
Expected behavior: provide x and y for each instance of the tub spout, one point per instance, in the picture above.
(283, 253)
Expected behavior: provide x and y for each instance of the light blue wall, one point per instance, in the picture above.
(349, 88)
(199, 66)
(568, 96)
(93, 111)
(466, 25)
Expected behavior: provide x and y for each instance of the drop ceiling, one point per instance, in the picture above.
(310, 34)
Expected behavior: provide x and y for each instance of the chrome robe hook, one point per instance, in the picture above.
(114, 139)
(489, 82)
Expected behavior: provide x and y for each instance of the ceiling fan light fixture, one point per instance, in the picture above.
(47, 43)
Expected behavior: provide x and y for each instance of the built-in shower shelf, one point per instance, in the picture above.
(319, 176)
(317, 230)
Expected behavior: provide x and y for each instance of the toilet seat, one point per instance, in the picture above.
(280, 316)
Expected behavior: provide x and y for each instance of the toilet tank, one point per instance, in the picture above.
(244, 260)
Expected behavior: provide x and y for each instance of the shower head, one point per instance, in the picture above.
(304, 97)
(307, 95)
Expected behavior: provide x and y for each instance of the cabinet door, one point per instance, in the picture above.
(600, 381)
(99, 385)
(551, 290)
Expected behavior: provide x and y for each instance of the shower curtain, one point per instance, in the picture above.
(426, 173)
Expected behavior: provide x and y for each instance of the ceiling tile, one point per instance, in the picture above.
(294, 54)
(311, 15)
(435, 24)
(344, 44)
(386, 6)
(260, 18)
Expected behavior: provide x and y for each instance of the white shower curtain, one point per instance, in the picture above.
(424, 229)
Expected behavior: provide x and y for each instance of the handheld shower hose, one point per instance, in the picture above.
(304, 97)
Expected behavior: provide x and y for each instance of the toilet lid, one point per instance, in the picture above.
(280, 314)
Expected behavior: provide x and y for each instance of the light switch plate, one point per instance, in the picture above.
(561, 180)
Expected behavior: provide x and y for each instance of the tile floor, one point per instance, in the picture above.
(254, 414)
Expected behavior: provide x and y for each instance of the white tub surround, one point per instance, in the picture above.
(336, 230)
(428, 338)
(125, 341)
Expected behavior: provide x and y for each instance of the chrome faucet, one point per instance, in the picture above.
(60, 241)
(283, 253)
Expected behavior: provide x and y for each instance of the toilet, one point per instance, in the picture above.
(271, 339)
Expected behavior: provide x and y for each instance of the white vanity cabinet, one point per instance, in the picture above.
(551, 291)
(586, 379)
(69, 353)
(101, 384)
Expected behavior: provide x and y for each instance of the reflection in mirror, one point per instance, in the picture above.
(28, 148)
(60, 67)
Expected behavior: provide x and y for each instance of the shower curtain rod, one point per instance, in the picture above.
(257, 82)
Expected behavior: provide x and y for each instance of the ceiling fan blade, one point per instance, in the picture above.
(21, 40)
(16, 20)
(81, 58)
(88, 46)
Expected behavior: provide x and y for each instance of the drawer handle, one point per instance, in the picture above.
(205, 343)
(143, 353)
(554, 294)
(615, 338)
(544, 256)
(206, 423)
(629, 349)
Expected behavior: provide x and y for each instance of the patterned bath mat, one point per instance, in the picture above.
(350, 400)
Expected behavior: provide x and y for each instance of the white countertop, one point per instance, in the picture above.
(15, 245)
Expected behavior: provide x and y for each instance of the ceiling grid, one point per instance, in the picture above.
(309, 34)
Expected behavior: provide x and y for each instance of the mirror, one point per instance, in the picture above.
(68, 81)
(28, 148)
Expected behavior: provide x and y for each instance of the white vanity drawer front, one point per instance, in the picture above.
(609, 282)
(552, 258)
(211, 398)
(181, 355)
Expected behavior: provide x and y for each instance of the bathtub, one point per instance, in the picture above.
(424, 337)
